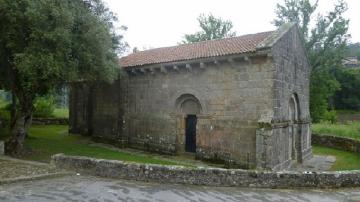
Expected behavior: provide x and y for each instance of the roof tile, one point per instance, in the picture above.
(212, 48)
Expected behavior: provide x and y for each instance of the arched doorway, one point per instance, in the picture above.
(190, 107)
(293, 129)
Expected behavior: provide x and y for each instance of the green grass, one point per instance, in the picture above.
(346, 111)
(351, 129)
(344, 160)
(3, 103)
(48, 140)
(61, 113)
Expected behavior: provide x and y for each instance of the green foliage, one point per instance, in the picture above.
(344, 160)
(348, 97)
(350, 130)
(44, 107)
(45, 43)
(325, 45)
(211, 28)
(330, 116)
(322, 87)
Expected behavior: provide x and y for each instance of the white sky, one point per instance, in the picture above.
(158, 23)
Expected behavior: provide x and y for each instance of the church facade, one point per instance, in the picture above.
(243, 101)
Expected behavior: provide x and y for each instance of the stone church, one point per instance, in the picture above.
(243, 101)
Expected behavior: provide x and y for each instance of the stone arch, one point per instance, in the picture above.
(188, 104)
(189, 107)
(198, 95)
(294, 130)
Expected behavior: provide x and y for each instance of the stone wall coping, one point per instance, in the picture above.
(50, 121)
(335, 136)
(208, 176)
(337, 142)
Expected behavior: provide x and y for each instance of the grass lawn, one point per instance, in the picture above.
(344, 160)
(61, 113)
(351, 129)
(45, 141)
(345, 111)
(3, 103)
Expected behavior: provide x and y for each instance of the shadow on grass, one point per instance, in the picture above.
(344, 160)
(46, 141)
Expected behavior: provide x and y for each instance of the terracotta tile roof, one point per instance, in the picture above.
(213, 48)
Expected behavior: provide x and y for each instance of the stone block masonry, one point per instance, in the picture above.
(207, 176)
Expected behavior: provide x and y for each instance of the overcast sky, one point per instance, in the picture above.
(158, 23)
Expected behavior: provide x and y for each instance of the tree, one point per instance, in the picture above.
(348, 97)
(45, 43)
(212, 28)
(325, 45)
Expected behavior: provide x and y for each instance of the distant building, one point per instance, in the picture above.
(351, 62)
(242, 100)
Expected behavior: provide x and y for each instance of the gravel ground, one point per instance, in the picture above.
(86, 188)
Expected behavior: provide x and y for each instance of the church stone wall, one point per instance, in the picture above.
(232, 97)
(241, 103)
(96, 110)
(107, 114)
(292, 74)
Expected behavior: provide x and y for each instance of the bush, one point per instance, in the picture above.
(330, 116)
(44, 107)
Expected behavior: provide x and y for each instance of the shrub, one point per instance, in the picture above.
(44, 107)
(330, 116)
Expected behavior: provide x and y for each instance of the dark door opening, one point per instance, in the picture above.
(190, 133)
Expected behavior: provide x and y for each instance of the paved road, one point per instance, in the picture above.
(85, 188)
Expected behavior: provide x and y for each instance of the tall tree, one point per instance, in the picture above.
(45, 43)
(211, 28)
(349, 95)
(325, 44)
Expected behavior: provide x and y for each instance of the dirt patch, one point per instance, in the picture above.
(317, 163)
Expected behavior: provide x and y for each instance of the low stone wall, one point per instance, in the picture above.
(206, 176)
(50, 121)
(336, 142)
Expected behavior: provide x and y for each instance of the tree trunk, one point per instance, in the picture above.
(19, 130)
